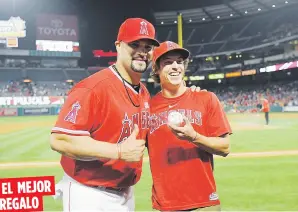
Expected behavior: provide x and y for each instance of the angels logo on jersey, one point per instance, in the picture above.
(160, 119)
(126, 128)
(140, 119)
(72, 115)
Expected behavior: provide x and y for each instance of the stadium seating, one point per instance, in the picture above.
(235, 34)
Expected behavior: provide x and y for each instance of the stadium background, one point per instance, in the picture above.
(242, 50)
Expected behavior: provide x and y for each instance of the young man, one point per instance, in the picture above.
(181, 157)
(101, 129)
(266, 109)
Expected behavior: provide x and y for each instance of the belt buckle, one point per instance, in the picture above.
(111, 189)
(115, 189)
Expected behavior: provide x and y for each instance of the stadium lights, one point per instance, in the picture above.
(190, 20)
(259, 9)
(294, 42)
(161, 22)
(175, 22)
(286, 2)
(231, 14)
(245, 12)
(196, 78)
(216, 76)
(203, 19)
(273, 5)
(27, 80)
(218, 17)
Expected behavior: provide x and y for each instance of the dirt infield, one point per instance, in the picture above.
(23, 165)
(281, 115)
(253, 126)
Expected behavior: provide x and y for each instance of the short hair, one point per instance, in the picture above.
(156, 66)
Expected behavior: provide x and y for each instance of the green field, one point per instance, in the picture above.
(262, 182)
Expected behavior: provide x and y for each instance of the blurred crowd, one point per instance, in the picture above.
(35, 63)
(278, 94)
(17, 88)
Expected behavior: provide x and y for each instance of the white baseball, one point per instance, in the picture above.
(175, 118)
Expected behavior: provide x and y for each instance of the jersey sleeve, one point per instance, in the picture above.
(217, 121)
(77, 115)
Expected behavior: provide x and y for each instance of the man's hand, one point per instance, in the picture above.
(132, 149)
(213, 145)
(193, 88)
(186, 132)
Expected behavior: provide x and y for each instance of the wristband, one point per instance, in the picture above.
(195, 137)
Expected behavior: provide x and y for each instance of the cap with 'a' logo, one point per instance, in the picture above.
(133, 29)
(169, 46)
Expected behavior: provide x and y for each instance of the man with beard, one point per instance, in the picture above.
(101, 129)
(181, 146)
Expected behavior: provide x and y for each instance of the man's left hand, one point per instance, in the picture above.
(194, 88)
(186, 132)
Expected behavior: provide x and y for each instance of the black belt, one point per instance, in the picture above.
(110, 188)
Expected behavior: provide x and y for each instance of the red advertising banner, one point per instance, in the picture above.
(279, 67)
(8, 111)
(57, 27)
(25, 194)
(101, 53)
(286, 66)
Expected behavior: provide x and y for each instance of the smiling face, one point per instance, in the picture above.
(136, 55)
(171, 69)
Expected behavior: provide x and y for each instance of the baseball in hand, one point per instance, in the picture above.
(175, 118)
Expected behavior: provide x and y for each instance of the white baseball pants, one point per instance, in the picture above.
(78, 197)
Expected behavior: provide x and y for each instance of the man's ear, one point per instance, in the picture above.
(151, 54)
(117, 44)
(153, 67)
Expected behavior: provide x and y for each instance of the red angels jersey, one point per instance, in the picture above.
(182, 173)
(99, 107)
(266, 107)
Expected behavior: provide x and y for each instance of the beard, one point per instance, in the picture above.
(139, 66)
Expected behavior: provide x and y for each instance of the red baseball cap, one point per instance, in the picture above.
(166, 47)
(133, 29)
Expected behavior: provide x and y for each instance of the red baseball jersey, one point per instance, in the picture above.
(99, 106)
(266, 107)
(182, 172)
